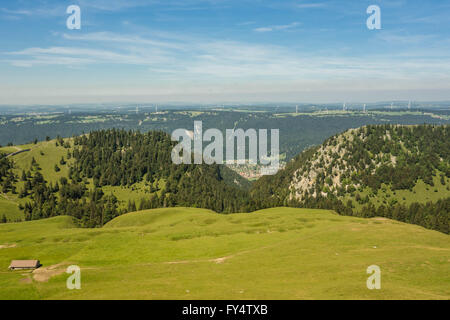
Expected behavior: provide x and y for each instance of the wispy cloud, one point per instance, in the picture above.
(399, 38)
(172, 5)
(41, 11)
(17, 12)
(118, 38)
(224, 51)
(115, 5)
(277, 27)
(246, 23)
(310, 5)
(200, 58)
(75, 57)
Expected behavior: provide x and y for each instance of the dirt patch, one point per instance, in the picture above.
(25, 280)
(380, 219)
(44, 274)
(216, 260)
(181, 261)
(219, 260)
(5, 246)
(431, 248)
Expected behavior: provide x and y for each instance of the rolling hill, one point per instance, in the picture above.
(188, 253)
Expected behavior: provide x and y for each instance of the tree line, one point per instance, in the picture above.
(396, 156)
(123, 158)
(7, 176)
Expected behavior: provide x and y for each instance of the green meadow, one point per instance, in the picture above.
(188, 253)
(421, 193)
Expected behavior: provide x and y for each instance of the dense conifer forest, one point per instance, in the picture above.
(123, 158)
(346, 173)
(356, 166)
(7, 177)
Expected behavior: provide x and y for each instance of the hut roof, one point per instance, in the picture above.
(24, 264)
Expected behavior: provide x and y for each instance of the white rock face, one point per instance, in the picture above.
(331, 163)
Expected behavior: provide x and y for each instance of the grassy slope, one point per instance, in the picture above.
(279, 253)
(134, 193)
(7, 150)
(9, 208)
(51, 156)
(421, 193)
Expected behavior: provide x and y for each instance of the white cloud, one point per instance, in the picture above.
(114, 5)
(18, 12)
(405, 39)
(73, 56)
(310, 5)
(183, 66)
(117, 38)
(193, 58)
(277, 27)
(263, 29)
(42, 11)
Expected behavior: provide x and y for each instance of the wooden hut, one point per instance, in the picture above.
(24, 264)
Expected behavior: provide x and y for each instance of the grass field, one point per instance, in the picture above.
(9, 208)
(187, 253)
(47, 154)
(134, 193)
(421, 193)
(8, 150)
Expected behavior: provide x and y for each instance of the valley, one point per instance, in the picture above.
(222, 157)
(140, 227)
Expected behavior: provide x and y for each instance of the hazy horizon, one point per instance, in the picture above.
(231, 104)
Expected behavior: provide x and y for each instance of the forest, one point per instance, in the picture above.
(297, 131)
(7, 177)
(365, 161)
(123, 158)
(126, 158)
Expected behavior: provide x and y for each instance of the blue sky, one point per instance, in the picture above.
(223, 51)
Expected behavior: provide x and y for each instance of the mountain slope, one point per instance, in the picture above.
(368, 169)
(398, 172)
(99, 176)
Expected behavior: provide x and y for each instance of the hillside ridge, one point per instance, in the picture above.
(393, 171)
(372, 170)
